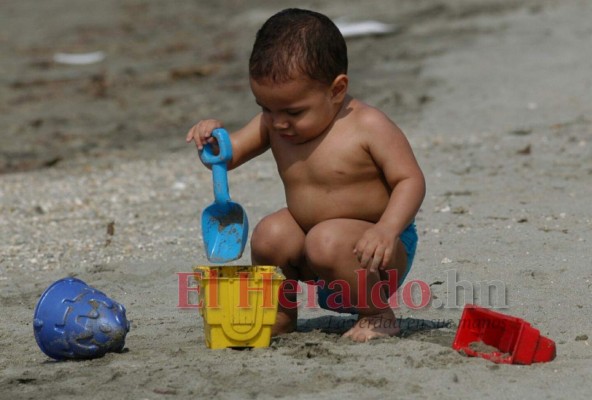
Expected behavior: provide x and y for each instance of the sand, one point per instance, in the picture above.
(96, 182)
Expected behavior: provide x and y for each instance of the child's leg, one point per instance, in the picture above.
(278, 240)
(329, 252)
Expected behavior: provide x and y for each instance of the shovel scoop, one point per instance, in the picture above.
(224, 223)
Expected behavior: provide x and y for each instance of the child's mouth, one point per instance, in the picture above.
(287, 136)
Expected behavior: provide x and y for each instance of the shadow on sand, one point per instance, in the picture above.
(339, 324)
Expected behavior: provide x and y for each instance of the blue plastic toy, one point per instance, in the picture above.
(224, 223)
(75, 321)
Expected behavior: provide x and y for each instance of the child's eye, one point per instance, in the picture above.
(294, 112)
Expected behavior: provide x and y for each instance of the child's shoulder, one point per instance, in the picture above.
(364, 115)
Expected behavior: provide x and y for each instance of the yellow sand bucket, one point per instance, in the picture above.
(238, 304)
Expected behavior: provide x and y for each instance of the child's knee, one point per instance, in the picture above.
(275, 240)
(322, 247)
(266, 235)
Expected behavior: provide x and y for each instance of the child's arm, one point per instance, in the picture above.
(247, 143)
(391, 151)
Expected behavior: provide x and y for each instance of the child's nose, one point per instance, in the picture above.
(279, 122)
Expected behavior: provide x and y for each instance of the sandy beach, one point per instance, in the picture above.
(97, 183)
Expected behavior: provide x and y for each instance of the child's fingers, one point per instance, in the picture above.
(376, 259)
(386, 258)
(366, 257)
(201, 133)
(380, 259)
(194, 135)
(375, 263)
(363, 254)
(190, 135)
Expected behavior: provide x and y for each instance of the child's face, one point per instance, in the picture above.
(298, 110)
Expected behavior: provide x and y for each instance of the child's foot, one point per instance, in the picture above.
(284, 323)
(374, 326)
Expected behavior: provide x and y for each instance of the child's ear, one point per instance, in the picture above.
(339, 87)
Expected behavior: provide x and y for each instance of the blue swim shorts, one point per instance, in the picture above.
(409, 239)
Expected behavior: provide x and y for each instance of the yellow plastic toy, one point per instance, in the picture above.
(238, 304)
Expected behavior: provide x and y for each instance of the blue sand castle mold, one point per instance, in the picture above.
(75, 321)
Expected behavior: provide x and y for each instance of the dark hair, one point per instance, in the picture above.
(297, 41)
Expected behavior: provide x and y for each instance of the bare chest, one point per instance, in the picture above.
(328, 163)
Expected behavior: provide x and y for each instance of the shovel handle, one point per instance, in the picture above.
(218, 164)
(224, 144)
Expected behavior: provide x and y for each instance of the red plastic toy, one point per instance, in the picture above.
(501, 338)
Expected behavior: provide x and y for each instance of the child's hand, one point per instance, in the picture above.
(201, 133)
(376, 248)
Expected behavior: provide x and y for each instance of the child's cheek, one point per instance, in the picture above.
(267, 120)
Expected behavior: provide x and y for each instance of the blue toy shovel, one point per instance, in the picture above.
(224, 223)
